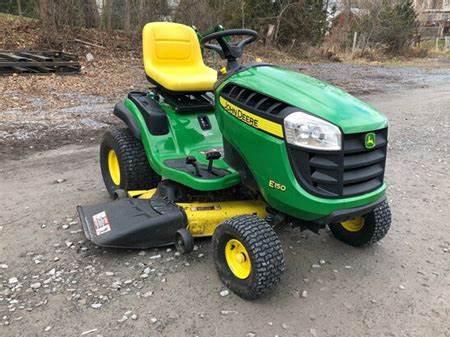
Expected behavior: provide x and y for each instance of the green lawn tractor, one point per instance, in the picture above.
(233, 154)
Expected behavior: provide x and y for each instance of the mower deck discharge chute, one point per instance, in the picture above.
(233, 154)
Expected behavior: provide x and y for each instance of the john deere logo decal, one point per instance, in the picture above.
(370, 140)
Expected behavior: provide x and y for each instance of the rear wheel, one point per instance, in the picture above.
(248, 256)
(364, 230)
(124, 163)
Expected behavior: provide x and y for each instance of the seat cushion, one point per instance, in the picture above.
(185, 79)
(173, 58)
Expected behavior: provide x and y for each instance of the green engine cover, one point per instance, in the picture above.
(261, 145)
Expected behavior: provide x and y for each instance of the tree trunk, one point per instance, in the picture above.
(90, 11)
(19, 7)
(46, 14)
(107, 14)
(279, 18)
(126, 16)
(141, 15)
(269, 35)
(242, 14)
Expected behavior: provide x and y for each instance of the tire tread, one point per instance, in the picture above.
(265, 248)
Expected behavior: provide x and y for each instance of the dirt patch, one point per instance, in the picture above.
(42, 112)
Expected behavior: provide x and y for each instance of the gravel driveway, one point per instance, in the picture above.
(54, 283)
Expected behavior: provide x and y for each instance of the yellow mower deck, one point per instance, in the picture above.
(204, 217)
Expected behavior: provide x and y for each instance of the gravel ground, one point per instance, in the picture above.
(54, 283)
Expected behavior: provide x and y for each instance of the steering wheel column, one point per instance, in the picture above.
(227, 50)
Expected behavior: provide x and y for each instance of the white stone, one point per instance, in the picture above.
(87, 332)
(36, 285)
(89, 57)
(224, 292)
(228, 312)
(123, 319)
(148, 294)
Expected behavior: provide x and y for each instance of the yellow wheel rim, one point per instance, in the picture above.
(354, 225)
(238, 259)
(114, 168)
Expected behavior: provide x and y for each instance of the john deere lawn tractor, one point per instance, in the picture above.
(233, 154)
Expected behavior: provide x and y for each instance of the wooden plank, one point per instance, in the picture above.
(11, 56)
(36, 56)
(38, 62)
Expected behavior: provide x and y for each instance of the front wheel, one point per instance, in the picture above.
(364, 230)
(248, 256)
(124, 164)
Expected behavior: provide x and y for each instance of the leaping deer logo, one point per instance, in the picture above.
(370, 141)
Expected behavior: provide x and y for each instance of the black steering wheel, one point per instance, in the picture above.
(226, 49)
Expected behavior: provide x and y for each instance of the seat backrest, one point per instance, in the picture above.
(170, 44)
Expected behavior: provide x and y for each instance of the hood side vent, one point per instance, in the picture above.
(252, 101)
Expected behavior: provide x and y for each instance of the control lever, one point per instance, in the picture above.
(211, 156)
(190, 160)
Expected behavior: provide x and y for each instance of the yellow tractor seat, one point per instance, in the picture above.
(173, 58)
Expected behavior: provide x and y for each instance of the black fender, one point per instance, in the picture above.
(121, 111)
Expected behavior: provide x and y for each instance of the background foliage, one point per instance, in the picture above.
(284, 24)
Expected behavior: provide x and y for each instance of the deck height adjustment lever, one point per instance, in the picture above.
(190, 160)
(211, 156)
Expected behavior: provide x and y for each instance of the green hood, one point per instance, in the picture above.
(311, 95)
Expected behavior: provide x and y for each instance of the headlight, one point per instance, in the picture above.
(311, 132)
